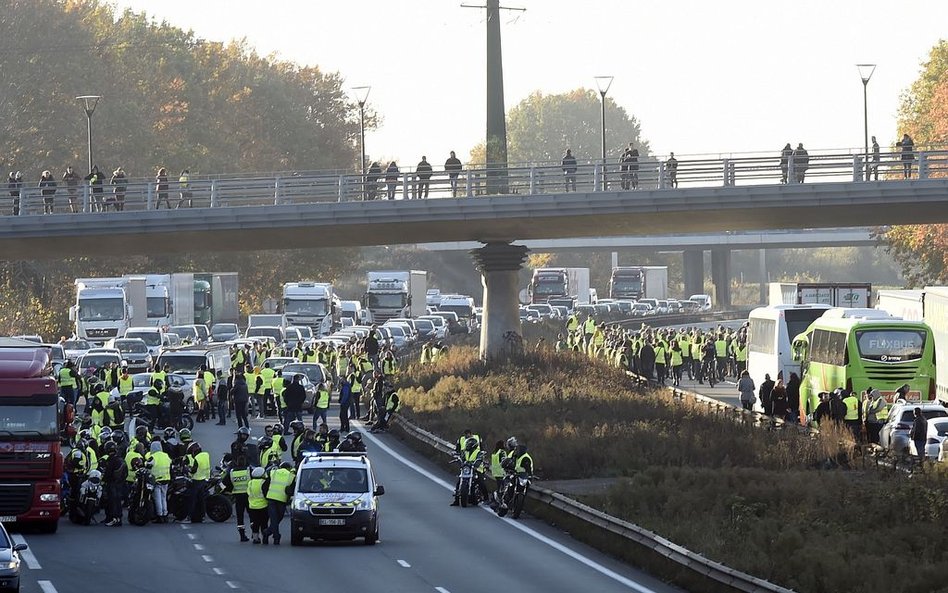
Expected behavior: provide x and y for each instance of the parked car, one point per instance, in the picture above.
(313, 374)
(224, 332)
(894, 435)
(937, 434)
(441, 326)
(75, 348)
(185, 332)
(134, 352)
(10, 561)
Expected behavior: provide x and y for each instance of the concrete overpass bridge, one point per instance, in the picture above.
(274, 213)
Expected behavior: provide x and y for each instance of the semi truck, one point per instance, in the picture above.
(560, 283)
(102, 310)
(31, 461)
(311, 304)
(639, 282)
(935, 305)
(400, 293)
(215, 298)
(851, 295)
(907, 304)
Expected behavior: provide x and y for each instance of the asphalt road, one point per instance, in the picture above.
(426, 546)
(725, 391)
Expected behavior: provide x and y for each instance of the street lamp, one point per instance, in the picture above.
(603, 83)
(89, 103)
(362, 95)
(865, 73)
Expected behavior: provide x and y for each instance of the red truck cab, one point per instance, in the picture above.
(31, 461)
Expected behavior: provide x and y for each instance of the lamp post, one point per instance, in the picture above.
(89, 103)
(362, 95)
(603, 83)
(865, 73)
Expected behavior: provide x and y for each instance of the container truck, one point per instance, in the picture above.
(639, 282)
(907, 304)
(391, 294)
(31, 461)
(848, 295)
(558, 283)
(102, 310)
(311, 304)
(936, 316)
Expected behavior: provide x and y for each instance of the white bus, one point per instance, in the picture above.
(770, 333)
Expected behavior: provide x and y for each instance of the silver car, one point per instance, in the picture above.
(894, 435)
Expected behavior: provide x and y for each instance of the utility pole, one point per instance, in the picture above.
(496, 141)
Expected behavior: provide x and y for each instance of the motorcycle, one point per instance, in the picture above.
(217, 506)
(471, 488)
(513, 495)
(89, 500)
(141, 507)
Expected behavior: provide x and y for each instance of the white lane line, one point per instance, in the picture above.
(192, 536)
(185, 527)
(526, 530)
(207, 558)
(232, 585)
(199, 547)
(27, 555)
(47, 586)
(441, 590)
(404, 564)
(217, 570)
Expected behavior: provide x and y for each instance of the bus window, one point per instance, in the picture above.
(890, 345)
(800, 347)
(762, 335)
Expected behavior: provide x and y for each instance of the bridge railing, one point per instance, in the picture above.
(523, 180)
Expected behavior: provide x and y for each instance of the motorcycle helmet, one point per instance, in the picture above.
(264, 443)
(243, 433)
(138, 463)
(471, 445)
(157, 384)
(77, 455)
(520, 450)
(105, 434)
(257, 473)
(185, 435)
(118, 436)
(110, 447)
(512, 443)
(287, 465)
(95, 476)
(169, 433)
(85, 435)
(141, 432)
(194, 448)
(297, 426)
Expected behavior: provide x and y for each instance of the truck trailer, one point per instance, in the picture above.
(397, 293)
(849, 295)
(639, 282)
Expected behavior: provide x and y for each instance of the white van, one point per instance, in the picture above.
(702, 299)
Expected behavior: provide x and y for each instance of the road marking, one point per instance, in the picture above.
(441, 590)
(404, 564)
(185, 527)
(47, 586)
(207, 558)
(526, 530)
(199, 547)
(232, 585)
(217, 570)
(27, 555)
(192, 536)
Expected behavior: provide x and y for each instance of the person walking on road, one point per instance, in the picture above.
(746, 387)
(423, 172)
(241, 398)
(453, 167)
(569, 170)
(235, 481)
(391, 179)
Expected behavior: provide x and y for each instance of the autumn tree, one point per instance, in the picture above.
(922, 250)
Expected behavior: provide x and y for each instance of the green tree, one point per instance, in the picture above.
(541, 127)
(922, 250)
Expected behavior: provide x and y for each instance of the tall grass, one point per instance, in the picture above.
(757, 500)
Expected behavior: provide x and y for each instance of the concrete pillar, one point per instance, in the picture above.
(693, 275)
(763, 277)
(721, 276)
(499, 264)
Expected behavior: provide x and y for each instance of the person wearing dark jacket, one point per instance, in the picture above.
(294, 395)
(801, 161)
(765, 391)
(71, 180)
(919, 433)
(423, 171)
(161, 188)
(47, 185)
(95, 179)
(391, 179)
(779, 399)
(569, 169)
(647, 359)
(113, 476)
(785, 155)
(453, 167)
(241, 398)
(372, 181)
(793, 398)
(119, 183)
(907, 146)
(837, 408)
(822, 409)
(15, 184)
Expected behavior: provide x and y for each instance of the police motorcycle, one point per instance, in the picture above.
(89, 499)
(514, 492)
(141, 505)
(471, 489)
(217, 506)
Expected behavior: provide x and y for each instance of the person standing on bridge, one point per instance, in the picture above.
(785, 156)
(671, 168)
(161, 188)
(119, 182)
(372, 181)
(184, 188)
(876, 157)
(634, 168)
(71, 179)
(423, 170)
(624, 167)
(907, 146)
(47, 185)
(391, 179)
(801, 161)
(453, 167)
(569, 169)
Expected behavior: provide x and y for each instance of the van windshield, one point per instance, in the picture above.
(338, 480)
(183, 364)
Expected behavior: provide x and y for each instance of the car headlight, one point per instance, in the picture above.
(301, 504)
(11, 565)
(366, 503)
(49, 497)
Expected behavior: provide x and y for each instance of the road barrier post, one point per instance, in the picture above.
(276, 191)
(533, 180)
(213, 193)
(150, 200)
(923, 165)
(469, 183)
(857, 168)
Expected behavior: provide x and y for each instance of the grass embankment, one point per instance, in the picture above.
(750, 498)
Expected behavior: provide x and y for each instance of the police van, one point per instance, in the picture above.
(336, 498)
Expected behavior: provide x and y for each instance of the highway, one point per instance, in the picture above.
(425, 546)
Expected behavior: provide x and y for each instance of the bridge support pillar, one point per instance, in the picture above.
(721, 276)
(499, 264)
(693, 272)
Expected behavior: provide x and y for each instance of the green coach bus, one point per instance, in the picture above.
(861, 348)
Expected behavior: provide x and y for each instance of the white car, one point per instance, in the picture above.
(934, 443)
(75, 348)
(441, 325)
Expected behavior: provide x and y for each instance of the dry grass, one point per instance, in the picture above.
(754, 499)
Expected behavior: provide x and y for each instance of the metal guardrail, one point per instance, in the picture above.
(28, 198)
(680, 555)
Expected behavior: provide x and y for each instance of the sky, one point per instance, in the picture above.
(702, 77)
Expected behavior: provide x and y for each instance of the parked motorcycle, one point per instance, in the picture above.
(89, 500)
(513, 495)
(141, 506)
(471, 489)
(217, 506)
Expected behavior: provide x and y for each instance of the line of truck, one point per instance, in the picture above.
(570, 286)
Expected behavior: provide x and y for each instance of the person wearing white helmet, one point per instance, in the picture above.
(257, 504)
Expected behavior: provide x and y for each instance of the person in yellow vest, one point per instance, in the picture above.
(199, 463)
(661, 370)
(299, 432)
(321, 405)
(236, 481)
(237, 358)
(267, 374)
(389, 366)
(355, 381)
(125, 383)
(114, 416)
(161, 472)
(200, 396)
(853, 418)
(391, 405)
(257, 503)
(251, 378)
(496, 464)
(99, 401)
(677, 360)
(136, 453)
(279, 489)
(740, 355)
(68, 381)
(277, 385)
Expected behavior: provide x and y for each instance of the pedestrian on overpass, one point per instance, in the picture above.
(391, 179)
(569, 170)
(161, 188)
(423, 171)
(671, 169)
(785, 155)
(876, 157)
(907, 146)
(801, 162)
(634, 168)
(453, 167)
